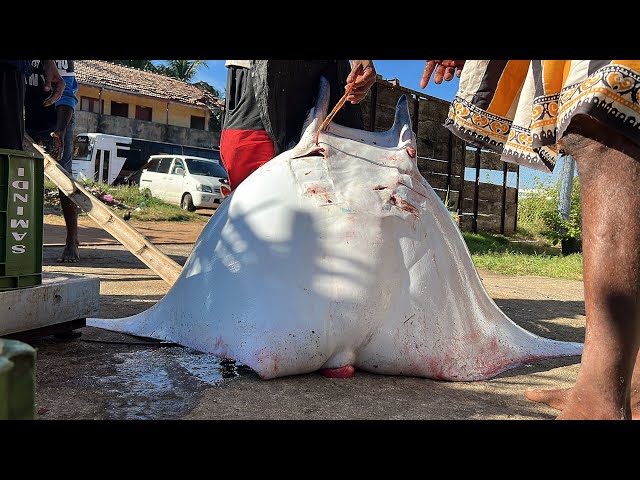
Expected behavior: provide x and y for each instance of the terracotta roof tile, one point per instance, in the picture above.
(109, 75)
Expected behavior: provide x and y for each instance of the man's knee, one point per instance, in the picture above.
(587, 135)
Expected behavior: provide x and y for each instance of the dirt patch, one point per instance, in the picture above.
(104, 375)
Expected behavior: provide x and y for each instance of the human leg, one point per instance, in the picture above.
(69, 209)
(609, 169)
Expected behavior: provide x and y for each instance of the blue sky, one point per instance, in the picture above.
(409, 73)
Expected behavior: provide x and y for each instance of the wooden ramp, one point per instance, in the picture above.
(128, 236)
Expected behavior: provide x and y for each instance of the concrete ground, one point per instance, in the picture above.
(105, 375)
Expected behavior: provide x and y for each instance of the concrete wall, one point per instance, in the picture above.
(92, 122)
(179, 114)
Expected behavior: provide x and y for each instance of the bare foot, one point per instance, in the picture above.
(555, 398)
(559, 398)
(562, 399)
(70, 254)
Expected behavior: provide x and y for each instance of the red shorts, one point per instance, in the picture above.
(243, 151)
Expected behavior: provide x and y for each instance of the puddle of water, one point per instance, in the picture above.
(161, 383)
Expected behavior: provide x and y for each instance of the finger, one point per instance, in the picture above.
(438, 74)
(448, 73)
(55, 94)
(366, 76)
(355, 70)
(426, 73)
(49, 100)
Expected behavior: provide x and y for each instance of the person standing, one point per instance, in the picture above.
(12, 88)
(529, 110)
(267, 101)
(52, 126)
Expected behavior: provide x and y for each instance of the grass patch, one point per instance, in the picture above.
(141, 205)
(517, 257)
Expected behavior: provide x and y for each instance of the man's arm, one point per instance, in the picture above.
(53, 82)
(64, 110)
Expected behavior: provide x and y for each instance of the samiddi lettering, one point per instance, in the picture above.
(19, 200)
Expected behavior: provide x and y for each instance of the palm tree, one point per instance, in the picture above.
(183, 70)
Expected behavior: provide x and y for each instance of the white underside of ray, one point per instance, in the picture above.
(340, 257)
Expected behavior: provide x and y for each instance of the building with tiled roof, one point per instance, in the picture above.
(148, 100)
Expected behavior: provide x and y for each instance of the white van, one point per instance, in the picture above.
(191, 182)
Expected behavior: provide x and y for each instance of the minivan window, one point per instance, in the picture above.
(165, 164)
(206, 168)
(152, 165)
(177, 164)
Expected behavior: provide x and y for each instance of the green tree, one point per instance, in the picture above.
(209, 88)
(183, 70)
(538, 212)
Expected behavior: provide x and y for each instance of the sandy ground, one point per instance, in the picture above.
(104, 375)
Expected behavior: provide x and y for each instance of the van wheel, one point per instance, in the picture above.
(187, 203)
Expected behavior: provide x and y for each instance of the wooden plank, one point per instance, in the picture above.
(435, 165)
(433, 130)
(128, 236)
(488, 161)
(437, 181)
(489, 223)
(484, 207)
(433, 110)
(485, 223)
(510, 223)
(430, 149)
(490, 192)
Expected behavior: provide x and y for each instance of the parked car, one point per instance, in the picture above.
(191, 182)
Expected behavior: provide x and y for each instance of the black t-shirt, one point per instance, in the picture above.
(38, 117)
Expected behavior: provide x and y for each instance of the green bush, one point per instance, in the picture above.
(538, 213)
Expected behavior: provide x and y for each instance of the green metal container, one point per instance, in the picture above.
(21, 219)
(17, 380)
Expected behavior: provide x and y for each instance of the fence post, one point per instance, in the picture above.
(416, 115)
(515, 219)
(476, 194)
(503, 212)
(374, 102)
(566, 185)
(449, 161)
(461, 189)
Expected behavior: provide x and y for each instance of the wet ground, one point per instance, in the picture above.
(105, 375)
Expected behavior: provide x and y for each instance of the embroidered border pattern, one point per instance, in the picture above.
(611, 94)
(478, 126)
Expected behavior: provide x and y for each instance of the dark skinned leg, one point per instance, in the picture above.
(69, 210)
(609, 169)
